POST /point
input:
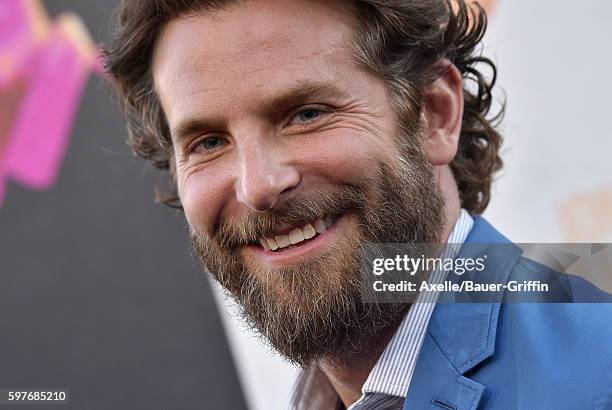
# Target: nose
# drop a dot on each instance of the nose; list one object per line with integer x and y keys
{"x": 265, "y": 176}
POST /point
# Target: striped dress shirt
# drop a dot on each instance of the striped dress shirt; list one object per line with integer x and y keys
{"x": 389, "y": 379}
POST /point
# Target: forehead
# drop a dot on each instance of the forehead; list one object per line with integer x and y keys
{"x": 250, "y": 51}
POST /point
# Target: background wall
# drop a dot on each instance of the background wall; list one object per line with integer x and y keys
{"x": 553, "y": 58}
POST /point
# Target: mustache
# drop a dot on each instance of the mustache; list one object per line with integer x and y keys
{"x": 248, "y": 230}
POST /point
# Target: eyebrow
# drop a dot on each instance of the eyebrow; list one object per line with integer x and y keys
{"x": 301, "y": 93}
{"x": 185, "y": 129}
{"x": 291, "y": 97}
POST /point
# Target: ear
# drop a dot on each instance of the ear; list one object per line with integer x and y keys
{"x": 443, "y": 114}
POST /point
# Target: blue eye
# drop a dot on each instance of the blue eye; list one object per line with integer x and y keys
{"x": 310, "y": 114}
{"x": 211, "y": 143}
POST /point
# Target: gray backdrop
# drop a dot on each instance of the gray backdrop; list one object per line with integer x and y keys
{"x": 98, "y": 293}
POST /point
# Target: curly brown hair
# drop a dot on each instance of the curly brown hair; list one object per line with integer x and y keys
{"x": 402, "y": 41}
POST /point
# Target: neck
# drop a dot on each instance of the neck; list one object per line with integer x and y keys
{"x": 452, "y": 203}
{"x": 348, "y": 374}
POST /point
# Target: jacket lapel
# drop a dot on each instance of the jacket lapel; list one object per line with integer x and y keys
{"x": 461, "y": 335}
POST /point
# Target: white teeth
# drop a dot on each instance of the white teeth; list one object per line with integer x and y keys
{"x": 272, "y": 243}
{"x": 320, "y": 226}
{"x": 296, "y": 236}
{"x": 264, "y": 244}
{"x": 282, "y": 241}
{"x": 328, "y": 222}
{"x": 308, "y": 231}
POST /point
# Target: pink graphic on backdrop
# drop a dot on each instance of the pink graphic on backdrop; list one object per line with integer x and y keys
{"x": 44, "y": 67}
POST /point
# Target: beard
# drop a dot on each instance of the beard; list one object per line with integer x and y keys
{"x": 314, "y": 310}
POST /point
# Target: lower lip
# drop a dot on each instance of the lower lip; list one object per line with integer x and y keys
{"x": 307, "y": 249}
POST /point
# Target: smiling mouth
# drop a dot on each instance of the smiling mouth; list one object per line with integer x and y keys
{"x": 297, "y": 236}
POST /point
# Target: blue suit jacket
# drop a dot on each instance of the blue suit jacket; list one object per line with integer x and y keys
{"x": 515, "y": 355}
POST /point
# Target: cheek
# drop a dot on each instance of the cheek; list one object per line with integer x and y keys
{"x": 348, "y": 156}
{"x": 202, "y": 197}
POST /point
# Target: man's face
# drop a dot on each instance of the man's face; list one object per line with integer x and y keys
{"x": 287, "y": 159}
